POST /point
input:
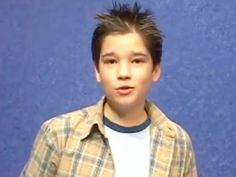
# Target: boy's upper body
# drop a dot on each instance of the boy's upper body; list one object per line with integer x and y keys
{"x": 123, "y": 134}
{"x": 76, "y": 144}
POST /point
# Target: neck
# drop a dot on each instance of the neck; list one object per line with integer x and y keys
{"x": 130, "y": 116}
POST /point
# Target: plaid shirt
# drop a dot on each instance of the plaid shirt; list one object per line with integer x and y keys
{"x": 75, "y": 145}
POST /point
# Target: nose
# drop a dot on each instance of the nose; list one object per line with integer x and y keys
{"x": 123, "y": 72}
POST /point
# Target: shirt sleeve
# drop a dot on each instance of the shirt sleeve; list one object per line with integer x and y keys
{"x": 44, "y": 156}
{"x": 190, "y": 165}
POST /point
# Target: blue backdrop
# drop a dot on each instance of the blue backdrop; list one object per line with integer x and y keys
{"x": 46, "y": 69}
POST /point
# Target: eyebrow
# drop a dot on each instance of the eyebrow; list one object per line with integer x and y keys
{"x": 133, "y": 53}
{"x": 108, "y": 54}
{"x": 139, "y": 54}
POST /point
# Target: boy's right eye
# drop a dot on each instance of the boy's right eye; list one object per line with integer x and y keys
{"x": 109, "y": 61}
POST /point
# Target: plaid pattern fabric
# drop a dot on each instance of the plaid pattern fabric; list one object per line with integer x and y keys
{"x": 75, "y": 145}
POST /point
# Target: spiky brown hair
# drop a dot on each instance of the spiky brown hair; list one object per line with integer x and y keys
{"x": 123, "y": 18}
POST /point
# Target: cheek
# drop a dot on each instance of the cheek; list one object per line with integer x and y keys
{"x": 144, "y": 82}
{"x": 144, "y": 77}
{"x": 106, "y": 80}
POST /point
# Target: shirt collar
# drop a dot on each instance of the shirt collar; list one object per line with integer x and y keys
{"x": 160, "y": 120}
{"x": 94, "y": 120}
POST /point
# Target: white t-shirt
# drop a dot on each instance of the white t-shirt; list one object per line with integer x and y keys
{"x": 130, "y": 148}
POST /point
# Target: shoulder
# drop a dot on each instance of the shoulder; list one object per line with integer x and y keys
{"x": 69, "y": 121}
{"x": 180, "y": 134}
{"x": 180, "y": 137}
{"x": 59, "y": 129}
{"x": 168, "y": 127}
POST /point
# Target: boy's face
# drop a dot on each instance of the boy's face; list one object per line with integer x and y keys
{"x": 125, "y": 69}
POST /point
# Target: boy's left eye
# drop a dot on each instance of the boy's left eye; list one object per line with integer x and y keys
{"x": 137, "y": 61}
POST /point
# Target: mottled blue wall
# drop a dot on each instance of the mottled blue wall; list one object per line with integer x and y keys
{"x": 46, "y": 69}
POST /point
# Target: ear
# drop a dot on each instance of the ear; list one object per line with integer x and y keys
{"x": 97, "y": 74}
{"x": 156, "y": 73}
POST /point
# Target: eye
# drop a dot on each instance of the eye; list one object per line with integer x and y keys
{"x": 138, "y": 60}
{"x": 110, "y": 61}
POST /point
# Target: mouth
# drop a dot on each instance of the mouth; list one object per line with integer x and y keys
{"x": 125, "y": 90}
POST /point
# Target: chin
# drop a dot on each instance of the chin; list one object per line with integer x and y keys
{"x": 127, "y": 102}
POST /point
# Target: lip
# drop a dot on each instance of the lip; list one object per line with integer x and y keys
{"x": 125, "y": 90}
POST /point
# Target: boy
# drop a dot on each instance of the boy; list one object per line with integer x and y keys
{"x": 123, "y": 135}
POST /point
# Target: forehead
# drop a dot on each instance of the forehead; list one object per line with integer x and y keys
{"x": 123, "y": 43}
